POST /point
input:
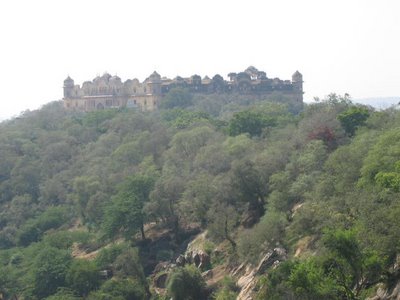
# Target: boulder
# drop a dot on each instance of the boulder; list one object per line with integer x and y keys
{"x": 160, "y": 280}
{"x": 180, "y": 261}
{"x": 271, "y": 259}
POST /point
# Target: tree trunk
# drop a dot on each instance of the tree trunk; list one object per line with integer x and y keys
{"x": 142, "y": 232}
{"x": 227, "y": 235}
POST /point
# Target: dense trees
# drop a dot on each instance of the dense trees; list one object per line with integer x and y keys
{"x": 124, "y": 214}
{"x": 322, "y": 184}
{"x": 49, "y": 271}
{"x": 177, "y": 97}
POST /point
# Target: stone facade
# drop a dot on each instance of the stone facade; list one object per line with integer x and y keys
{"x": 110, "y": 92}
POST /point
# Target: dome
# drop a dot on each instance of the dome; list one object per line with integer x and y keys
{"x": 297, "y": 76}
{"x": 68, "y": 81}
{"x": 155, "y": 76}
{"x": 106, "y": 76}
{"x": 251, "y": 70}
{"x": 115, "y": 79}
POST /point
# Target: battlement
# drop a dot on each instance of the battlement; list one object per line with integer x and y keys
{"x": 109, "y": 91}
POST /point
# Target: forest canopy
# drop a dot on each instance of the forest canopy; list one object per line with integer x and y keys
{"x": 320, "y": 181}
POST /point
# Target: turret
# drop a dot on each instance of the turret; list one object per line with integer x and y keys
{"x": 154, "y": 82}
{"x": 297, "y": 82}
{"x": 68, "y": 87}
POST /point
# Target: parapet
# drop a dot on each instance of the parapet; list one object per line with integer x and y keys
{"x": 111, "y": 91}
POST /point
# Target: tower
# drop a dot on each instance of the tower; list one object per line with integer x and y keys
{"x": 154, "y": 83}
{"x": 297, "y": 82}
{"x": 68, "y": 87}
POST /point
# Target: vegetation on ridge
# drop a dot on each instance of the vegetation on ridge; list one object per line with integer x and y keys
{"x": 85, "y": 198}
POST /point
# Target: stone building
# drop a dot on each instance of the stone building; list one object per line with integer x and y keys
{"x": 110, "y": 92}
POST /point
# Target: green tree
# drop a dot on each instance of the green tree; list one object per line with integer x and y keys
{"x": 125, "y": 213}
{"x": 83, "y": 276}
{"x": 83, "y": 188}
{"x": 49, "y": 270}
{"x": 63, "y": 294}
{"x": 270, "y": 231}
{"x": 227, "y": 291}
{"x": 186, "y": 284}
{"x": 222, "y": 219}
{"x": 353, "y": 118}
{"x": 246, "y": 181}
{"x": 251, "y": 122}
{"x": 177, "y": 97}
{"x": 33, "y": 230}
{"x": 127, "y": 264}
{"x": 123, "y": 289}
{"x": 309, "y": 281}
{"x": 123, "y": 216}
{"x": 351, "y": 267}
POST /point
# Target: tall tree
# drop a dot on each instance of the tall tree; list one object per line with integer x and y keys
{"x": 125, "y": 213}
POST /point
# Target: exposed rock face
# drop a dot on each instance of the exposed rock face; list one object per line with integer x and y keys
{"x": 180, "y": 261}
{"x": 207, "y": 274}
{"x": 270, "y": 259}
{"x": 160, "y": 280}
{"x": 248, "y": 281}
{"x": 384, "y": 293}
{"x": 197, "y": 257}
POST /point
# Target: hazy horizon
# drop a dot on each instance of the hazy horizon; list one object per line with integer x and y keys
{"x": 338, "y": 46}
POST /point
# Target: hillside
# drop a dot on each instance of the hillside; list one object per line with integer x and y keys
{"x": 211, "y": 197}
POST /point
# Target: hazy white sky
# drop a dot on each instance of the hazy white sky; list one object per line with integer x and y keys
{"x": 342, "y": 46}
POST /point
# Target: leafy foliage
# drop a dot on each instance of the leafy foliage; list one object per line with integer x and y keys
{"x": 186, "y": 283}
{"x": 49, "y": 271}
{"x": 353, "y": 118}
{"x": 83, "y": 276}
{"x": 249, "y": 122}
{"x": 177, "y": 97}
{"x": 255, "y": 174}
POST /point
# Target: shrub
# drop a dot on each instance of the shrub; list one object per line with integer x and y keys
{"x": 186, "y": 284}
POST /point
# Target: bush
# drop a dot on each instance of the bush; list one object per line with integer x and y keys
{"x": 107, "y": 256}
{"x": 63, "y": 294}
{"x": 186, "y": 284}
{"x": 177, "y": 97}
{"x": 83, "y": 276}
{"x": 128, "y": 289}
{"x": 33, "y": 230}
{"x": 269, "y": 231}
{"x": 228, "y": 290}
{"x": 49, "y": 270}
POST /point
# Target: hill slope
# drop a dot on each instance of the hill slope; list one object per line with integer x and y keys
{"x": 289, "y": 205}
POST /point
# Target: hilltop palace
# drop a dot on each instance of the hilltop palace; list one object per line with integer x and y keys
{"x": 110, "y": 92}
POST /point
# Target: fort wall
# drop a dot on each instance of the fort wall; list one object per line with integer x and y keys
{"x": 110, "y": 92}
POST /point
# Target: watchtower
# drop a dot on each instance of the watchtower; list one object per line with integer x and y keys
{"x": 297, "y": 80}
{"x": 68, "y": 87}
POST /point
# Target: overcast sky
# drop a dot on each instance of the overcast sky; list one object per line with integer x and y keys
{"x": 342, "y": 46}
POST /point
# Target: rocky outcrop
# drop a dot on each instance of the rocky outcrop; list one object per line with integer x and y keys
{"x": 271, "y": 259}
{"x": 160, "y": 280}
{"x": 198, "y": 257}
{"x": 393, "y": 293}
{"x": 383, "y": 293}
{"x": 248, "y": 281}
